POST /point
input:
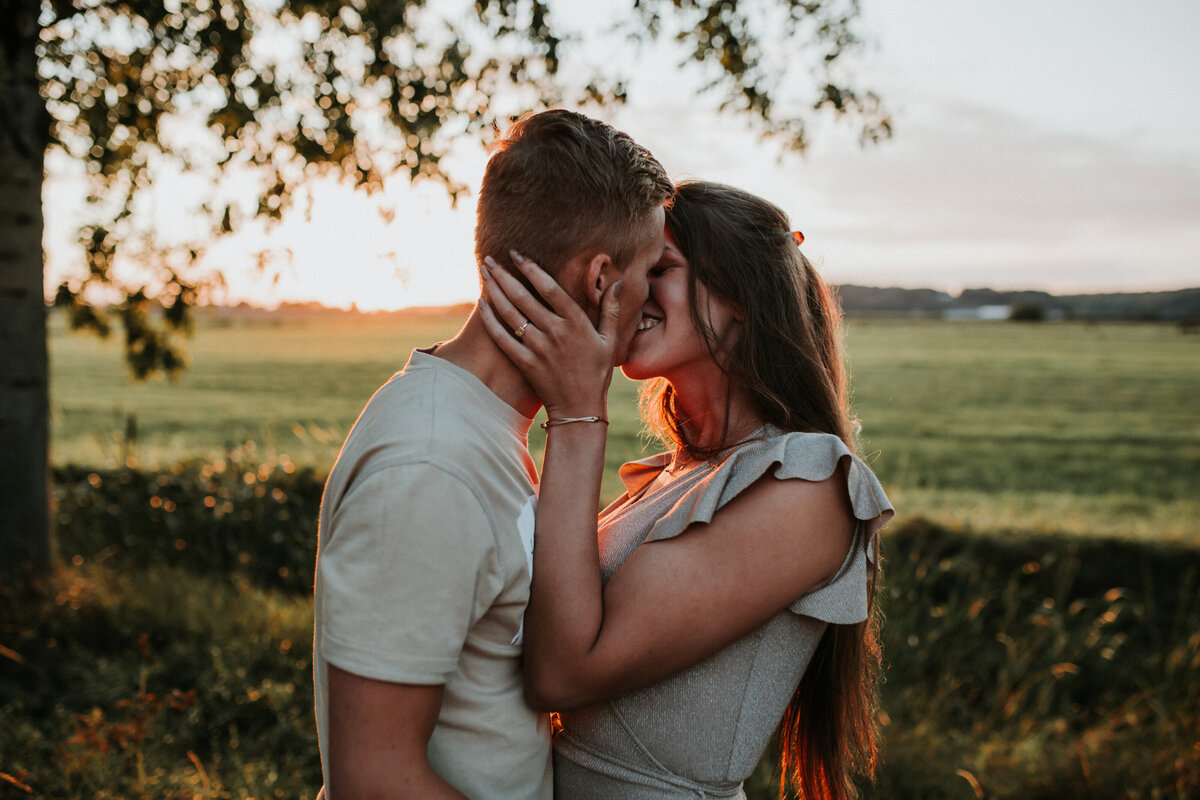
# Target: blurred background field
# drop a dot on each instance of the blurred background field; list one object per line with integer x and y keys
{"x": 1042, "y": 589}
{"x": 1076, "y": 428}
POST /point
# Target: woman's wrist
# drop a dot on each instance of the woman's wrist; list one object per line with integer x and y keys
{"x": 578, "y": 409}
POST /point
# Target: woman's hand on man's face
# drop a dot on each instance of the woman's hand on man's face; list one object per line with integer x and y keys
{"x": 566, "y": 359}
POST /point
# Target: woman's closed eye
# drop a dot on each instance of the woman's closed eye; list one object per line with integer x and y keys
{"x": 658, "y": 270}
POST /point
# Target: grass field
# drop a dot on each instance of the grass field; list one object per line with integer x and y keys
{"x": 1083, "y": 429}
{"x": 1042, "y": 585}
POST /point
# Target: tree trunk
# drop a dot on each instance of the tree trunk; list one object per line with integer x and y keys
{"x": 24, "y": 397}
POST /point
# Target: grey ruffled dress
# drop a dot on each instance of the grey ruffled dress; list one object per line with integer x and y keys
{"x": 699, "y": 733}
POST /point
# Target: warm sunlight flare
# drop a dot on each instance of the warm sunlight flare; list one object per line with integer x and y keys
{"x": 984, "y": 184}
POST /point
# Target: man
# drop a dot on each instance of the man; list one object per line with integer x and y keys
{"x": 426, "y": 532}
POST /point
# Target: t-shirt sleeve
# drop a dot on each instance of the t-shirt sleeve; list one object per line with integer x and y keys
{"x": 409, "y": 566}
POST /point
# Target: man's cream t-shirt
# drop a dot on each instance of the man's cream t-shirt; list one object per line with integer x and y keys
{"x": 423, "y": 568}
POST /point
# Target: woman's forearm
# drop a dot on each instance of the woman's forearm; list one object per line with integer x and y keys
{"x": 566, "y": 608}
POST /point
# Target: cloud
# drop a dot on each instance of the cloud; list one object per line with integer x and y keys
{"x": 991, "y": 175}
{"x": 964, "y": 196}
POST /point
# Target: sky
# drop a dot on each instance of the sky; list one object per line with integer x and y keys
{"x": 1040, "y": 144}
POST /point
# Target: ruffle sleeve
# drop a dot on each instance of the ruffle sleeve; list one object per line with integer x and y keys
{"x": 808, "y": 456}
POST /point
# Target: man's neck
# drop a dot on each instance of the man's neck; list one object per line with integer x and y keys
{"x": 472, "y": 349}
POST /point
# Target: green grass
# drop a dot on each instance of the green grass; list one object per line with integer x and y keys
{"x": 287, "y": 385}
{"x": 1071, "y": 428}
{"x": 1086, "y": 429}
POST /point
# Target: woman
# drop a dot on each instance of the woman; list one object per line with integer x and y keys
{"x": 733, "y": 584}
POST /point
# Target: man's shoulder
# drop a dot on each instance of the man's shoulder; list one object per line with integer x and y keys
{"x": 421, "y": 405}
{"x": 423, "y": 415}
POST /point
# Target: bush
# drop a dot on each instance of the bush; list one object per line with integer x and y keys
{"x": 1027, "y": 312}
{"x": 225, "y": 516}
{"x": 150, "y": 683}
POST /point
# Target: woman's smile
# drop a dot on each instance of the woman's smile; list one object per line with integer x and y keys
{"x": 648, "y": 321}
{"x": 680, "y": 351}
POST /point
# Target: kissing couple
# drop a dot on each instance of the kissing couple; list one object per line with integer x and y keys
{"x": 461, "y": 596}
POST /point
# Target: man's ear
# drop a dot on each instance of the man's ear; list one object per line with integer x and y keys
{"x": 586, "y": 276}
{"x": 600, "y": 274}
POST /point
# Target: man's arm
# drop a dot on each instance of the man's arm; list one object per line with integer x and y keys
{"x": 378, "y": 738}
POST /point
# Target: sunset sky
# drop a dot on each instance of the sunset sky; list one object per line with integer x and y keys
{"x": 1049, "y": 145}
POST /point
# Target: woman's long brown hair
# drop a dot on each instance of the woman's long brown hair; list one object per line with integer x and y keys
{"x": 789, "y": 359}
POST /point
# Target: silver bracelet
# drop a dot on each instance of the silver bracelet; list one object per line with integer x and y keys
{"x": 550, "y": 423}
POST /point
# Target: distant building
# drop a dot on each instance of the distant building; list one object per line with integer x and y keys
{"x": 987, "y": 313}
